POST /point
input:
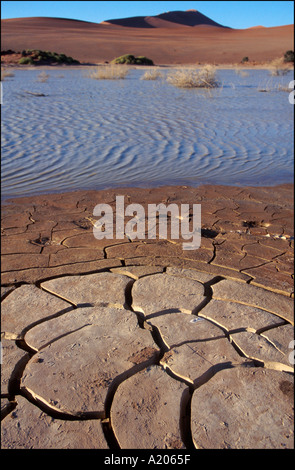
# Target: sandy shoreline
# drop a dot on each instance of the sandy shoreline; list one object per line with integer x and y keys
{"x": 145, "y": 188}
{"x": 238, "y": 65}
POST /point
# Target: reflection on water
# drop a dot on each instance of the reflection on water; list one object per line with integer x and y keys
{"x": 95, "y": 134}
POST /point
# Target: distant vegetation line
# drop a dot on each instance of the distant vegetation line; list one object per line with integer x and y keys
{"x": 39, "y": 57}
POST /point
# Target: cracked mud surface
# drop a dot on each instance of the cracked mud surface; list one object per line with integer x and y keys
{"x": 112, "y": 344}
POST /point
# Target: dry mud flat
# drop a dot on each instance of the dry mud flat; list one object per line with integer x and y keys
{"x": 112, "y": 344}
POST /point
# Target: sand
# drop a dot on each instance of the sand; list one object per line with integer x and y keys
{"x": 176, "y": 44}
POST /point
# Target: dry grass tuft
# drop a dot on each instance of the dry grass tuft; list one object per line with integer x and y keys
{"x": 190, "y": 78}
{"x": 5, "y": 73}
{"x": 277, "y": 67}
{"x": 153, "y": 74}
{"x": 241, "y": 73}
{"x": 42, "y": 77}
{"x": 109, "y": 72}
{"x": 284, "y": 88}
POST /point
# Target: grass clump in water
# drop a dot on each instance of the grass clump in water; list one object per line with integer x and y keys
{"x": 5, "y": 73}
{"x": 42, "y": 77}
{"x": 109, "y": 72}
{"x": 277, "y": 68}
{"x": 241, "y": 73}
{"x": 191, "y": 78}
{"x": 153, "y": 74}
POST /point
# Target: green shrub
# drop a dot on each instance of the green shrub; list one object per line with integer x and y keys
{"x": 142, "y": 60}
{"x": 289, "y": 56}
{"x": 132, "y": 60}
{"x": 25, "y": 61}
{"x": 70, "y": 60}
{"x": 245, "y": 59}
{"x": 124, "y": 59}
{"x": 35, "y": 56}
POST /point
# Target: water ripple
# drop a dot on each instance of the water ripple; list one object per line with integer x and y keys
{"x": 93, "y": 134}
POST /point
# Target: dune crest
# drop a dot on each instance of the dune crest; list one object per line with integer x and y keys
{"x": 166, "y": 20}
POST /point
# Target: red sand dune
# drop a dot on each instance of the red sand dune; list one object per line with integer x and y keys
{"x": 169, "y": 19}
{"x": 170, "y": 38}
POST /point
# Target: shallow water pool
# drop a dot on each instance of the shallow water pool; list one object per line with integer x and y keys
{"x": 96, "y": 134}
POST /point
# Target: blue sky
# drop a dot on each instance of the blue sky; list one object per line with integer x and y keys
{"x": 236, "y": 14}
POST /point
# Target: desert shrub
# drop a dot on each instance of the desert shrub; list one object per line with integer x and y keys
{"x": 35, "y": 56}
{"x": 55, "y": 57}
{"x": 191, "y": 78}
{"x": 142, "y": 60}
{"x": 70, "y": 60}
{"x": 25, "y": 61}
{"x": 153, "y": 74}
{"x": 289, "y": 56}
{"x": 245, "y": 59}
{"x": 130, "y": 59}
{"x": 124, "y": 59}
{"x": 9, "y": 51}
{"x": 277, "y": 67}
{"x": 109, "y": 72}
